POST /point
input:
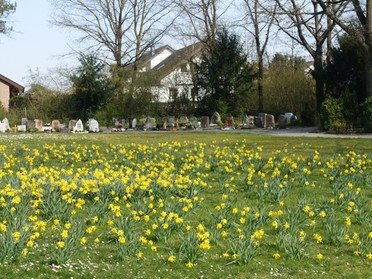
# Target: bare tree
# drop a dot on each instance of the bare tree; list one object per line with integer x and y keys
{"x": 362, "y": 10}
{"x": 124, "y": 29}
{"x": 259, "y": 23}
{"x": 311, "y": 31}
{"x": 201, "y": 19}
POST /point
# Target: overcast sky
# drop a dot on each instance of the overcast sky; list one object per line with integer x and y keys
{"x": 35, "y": 44}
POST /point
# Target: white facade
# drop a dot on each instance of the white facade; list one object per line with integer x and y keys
{"x": 173, "y": 71}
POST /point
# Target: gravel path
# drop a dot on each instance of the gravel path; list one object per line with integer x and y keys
{"x": 304, "y": 132}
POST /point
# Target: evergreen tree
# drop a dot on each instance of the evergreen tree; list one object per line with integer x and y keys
{"x": 224, "y": 77}
{"x": 91, "y": 86}
{"x": 346, "y": 72}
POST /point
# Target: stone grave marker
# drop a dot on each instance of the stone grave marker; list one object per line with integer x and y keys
{"x": 229, "y": 122}
{"x": 257, "y": 121}
{"x": 205, "y": 122}
{"x": 6, "y": 124}
{"x": 172, "y": 121}
{"x": 282, "y": 121}
{"x": 216, "y": 118}
{"x": 148, "y": 123}
{"x": 134, "y": 123}
{"x": 30, "y": 125}
{"x": 165, "y": 122}
{"x": 21, "y": 128}
{"x": 263, "y": 119}
{"x": 194, "y": 122}
{"x": 72, "y": 124}
{"x": 39, "y": 125}
{"x": 79, "y": 127}
{"x": 93, "y": 125}
{"x": 184, "y": 120}
{"x": 270, "y": 121}
{"x": 56, "y": 126}
{"x": 245, "y": 120}
{"x": 24, "y": 121}
{"x": 250, "y": 120}
{"x": 2, "y": 127}
{"x": 288, "y": 115}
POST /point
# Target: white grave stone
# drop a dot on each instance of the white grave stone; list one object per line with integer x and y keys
{"x": 134, "y": 123}
{"x": 21, "y": 128}
{"x": 288, "y": 115}
{"x": 93, "y": 125}
{"x": 2, "y": 127}
{"x": 79, "y": 127}
{"x": 263, "y": 119}
{"x": 6, "y": 124}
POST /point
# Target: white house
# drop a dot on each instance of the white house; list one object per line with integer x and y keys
{"x": 168, "y": 72}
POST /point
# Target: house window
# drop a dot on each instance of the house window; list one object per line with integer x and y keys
{"x": 184, "y": 68}
{"x": 173, "y": 92}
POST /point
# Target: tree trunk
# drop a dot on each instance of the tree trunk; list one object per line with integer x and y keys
{"x": 319, "y": 79}
{"x": 368, "y": 54}
{"x": 260, "y": 86}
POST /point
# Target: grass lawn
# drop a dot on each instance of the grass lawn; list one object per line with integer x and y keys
{"x": 184, "y": 205}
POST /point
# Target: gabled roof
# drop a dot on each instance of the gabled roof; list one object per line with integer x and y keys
{"x": 12, "y": 84}
{"x": 172, "y": 62}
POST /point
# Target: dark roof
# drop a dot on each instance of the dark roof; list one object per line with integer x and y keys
{"x": 176, "y": 59}
{"x": 14, "y": 87}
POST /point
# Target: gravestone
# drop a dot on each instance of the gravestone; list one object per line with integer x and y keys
{"x": 172, "y": 121}
{"x": 30, "y": 125}
{"x": 72, "y": 124}
{"x": 93, "y": 125}
{"x": 282, "y": 121}
{"x": 118, "y": 123}
{"x": 148, "y": 123}
{"x": 257, "y": 121}
{"x": 194, "y": 122}
{"x": 21, "y": 128}
{"x": 205, "y": 122}
{"x": 288, "y": 115}
{"x": 251, "y": 120}
{"x": 79, "y": 127}
{"x": 6, "y": 124}
{"x": 263, "y": 119}
{"x": 2, "y": 127}
{"x": 134, "y": 123}
{"x": 229, "y": 122}
{"x": 270, "y": 121}
{"x": 216, "y": 118}
{"x": 184, "y": 120}
{"x": 165, "y": 122}
{"x": 39, "y": 125}
{"x": 245, "y": 120}
{"x": 56, "y": 126}
{"x": 24, "y": 121}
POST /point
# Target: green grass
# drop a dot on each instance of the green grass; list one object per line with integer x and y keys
{"x": 117, "y": 165}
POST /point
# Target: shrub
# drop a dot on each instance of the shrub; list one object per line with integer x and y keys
{"x": 331, "y": 113}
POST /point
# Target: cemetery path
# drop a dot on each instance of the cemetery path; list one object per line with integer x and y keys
{"x": 305, "y": 132}
{"x": 288, "y": 132}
